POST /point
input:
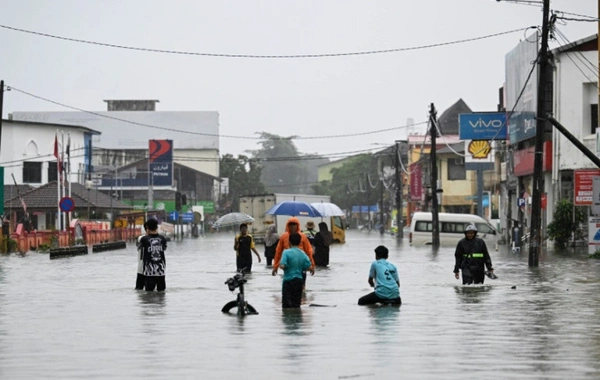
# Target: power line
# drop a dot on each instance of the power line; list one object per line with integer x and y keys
{"x": 258, "y": 56}
{"x": 206, "y": 134}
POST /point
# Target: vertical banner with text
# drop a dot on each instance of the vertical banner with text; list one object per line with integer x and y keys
{"x": 160, "y": 162}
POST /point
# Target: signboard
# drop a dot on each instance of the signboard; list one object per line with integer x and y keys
{"x": 160, "y": 162}
{"x": 120, "y": 223}
{"x": 174, "y": 215}
{"x": 523, "y": 160}
{"x": 482, "y": 126}
{"x": 66, "y": 204}
{"x": 584, "y": 191}
{"x": 416, "y": 182}
{"x": 187, "y": 217}
{"x": 593, "y": 234}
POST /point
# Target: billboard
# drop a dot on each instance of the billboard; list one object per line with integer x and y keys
{"x": 521, "y": 98}
{"x": 584, "y": 186}
{"x": 482, "y": 126}
{"x": 160, "y": 162}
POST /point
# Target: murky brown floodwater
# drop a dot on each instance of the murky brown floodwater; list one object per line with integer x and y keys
{"x": 80, "y": 318}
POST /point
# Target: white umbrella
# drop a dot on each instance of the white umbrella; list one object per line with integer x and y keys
{"x": 328, "y": 209}
{"x": 232, "y": 219}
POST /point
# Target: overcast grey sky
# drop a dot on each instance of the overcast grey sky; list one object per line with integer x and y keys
{"x": 341, "y": 95}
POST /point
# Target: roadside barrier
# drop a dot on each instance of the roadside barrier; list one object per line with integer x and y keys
{"x": 109, "y": 246}
{"x": 77, "y": 250}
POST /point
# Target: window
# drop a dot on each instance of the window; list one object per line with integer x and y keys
{"x": 32, "y": 172}
{"x": 456, "y": 169}
{"x": 52, "y": 175}
{"x": 424, "y": 226}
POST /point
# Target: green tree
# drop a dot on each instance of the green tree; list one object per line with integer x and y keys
{"x": 352, "y": 183}
{"x": 284, "y": 170}
{"x": 244, "y": 178}
{"x": 564, "y": 225}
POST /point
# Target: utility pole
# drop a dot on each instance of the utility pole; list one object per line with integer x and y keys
{"x": 400, "y": 227}
{"x": 535, "y": 243}
{"x": 381, "y": 225}
{"x": 435, "y": 231}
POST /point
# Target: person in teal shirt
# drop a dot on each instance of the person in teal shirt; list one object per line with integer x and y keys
{"x": 383, "y": 276}
{"x": 293, "y": 262}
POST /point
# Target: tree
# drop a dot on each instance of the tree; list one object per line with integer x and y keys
{"x": 283, "y": 169}
{"x": 564, "y": 225}
{"x": 351, "y": 183}
{"x": 244, "y": 178}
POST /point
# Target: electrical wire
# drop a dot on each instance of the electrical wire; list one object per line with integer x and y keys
{"x": 208, "y": 134}
{"x": 258, "y": 56}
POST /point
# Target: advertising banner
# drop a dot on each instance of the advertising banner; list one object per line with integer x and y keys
{"x": 416, "y": 182}
{"x": 584, "y": 186}
{"x": 482, "y": 126}
{"x": 160, "y": 162}
{"x": 593, "y": 234}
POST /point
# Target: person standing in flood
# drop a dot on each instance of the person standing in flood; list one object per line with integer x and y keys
{"x": 323, "y": 240}
{"x": 471, "y": 256}
{"x": 271, "y": 240}
{"x": 153, "y": 246}
{"x": 244, "y": 246}
{"x": 294, "y": 264}
{"x": 140, "y": 281}
{"x": 293, "y": 226}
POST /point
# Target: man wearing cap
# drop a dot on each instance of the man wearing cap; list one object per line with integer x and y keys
{"x": 471, "y": 256}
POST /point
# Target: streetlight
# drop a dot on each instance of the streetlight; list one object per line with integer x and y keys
{"x": 88, "y": 186}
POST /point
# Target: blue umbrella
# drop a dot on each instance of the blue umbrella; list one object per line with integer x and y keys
{"x": 293, "y": 208}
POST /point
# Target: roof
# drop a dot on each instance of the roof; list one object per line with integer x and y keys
{"x": 448, "y": 120}
{"x": 144, "y": 164}
{"x": 53, "y": 125}
{"x": 46, "y": 197}
{"x": 589, "y": 43}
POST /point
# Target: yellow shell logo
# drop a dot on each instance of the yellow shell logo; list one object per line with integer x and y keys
{"x": 480, "y": 148}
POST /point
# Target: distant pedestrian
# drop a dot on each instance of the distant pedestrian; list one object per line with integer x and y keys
{"x": 310, "y": 233}
{"x": 293, "y": 262}
{"x": 141, "y": 279}
{"x": 153, "y": 246}
{"x": 244, "y": 246}
{"x": 323, "y": 240}
{"x": 383, "y": 276}
{"x": 271, "y": 240}
{"x": 471, "y": 256}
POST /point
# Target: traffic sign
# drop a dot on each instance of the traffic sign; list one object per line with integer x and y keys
{"x": 174, "y": 215}
{"x": 188, "y": 217}
{"x": 66, "y": 204}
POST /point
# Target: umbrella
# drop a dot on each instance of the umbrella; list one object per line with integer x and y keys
{"x": 232, "y": 219}
{"x": 328, "y": 209}
{"x": 293, "y": 208}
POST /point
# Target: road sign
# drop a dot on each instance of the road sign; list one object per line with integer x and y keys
{"x": 174, "y": 215}
{"x": 66, "y": 204}
{"x": 188, "y": 217}
{"x": 120, "y": 223}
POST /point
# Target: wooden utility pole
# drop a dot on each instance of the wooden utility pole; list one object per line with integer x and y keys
{"x": 435, "y": 231}
{"x": 535, "y": 239}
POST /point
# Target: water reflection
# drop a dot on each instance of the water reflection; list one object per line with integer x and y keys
{"x": 293, "y": 322}
{"x": 472, "y": 294}
{"x": 152, "y": 303}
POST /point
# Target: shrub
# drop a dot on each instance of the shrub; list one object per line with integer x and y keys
{"x": 563, "y": 225}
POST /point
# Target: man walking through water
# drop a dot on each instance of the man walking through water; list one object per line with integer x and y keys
{"x": 471, "y": 256}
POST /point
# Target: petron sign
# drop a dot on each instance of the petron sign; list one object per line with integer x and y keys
{"x": 160, "y": 162}
{"x": 482, "y": 126}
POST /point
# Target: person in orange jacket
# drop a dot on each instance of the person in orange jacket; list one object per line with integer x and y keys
{"x": 293, "y": 226}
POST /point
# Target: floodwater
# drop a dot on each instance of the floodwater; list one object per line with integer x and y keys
{"x": 80, "y": 317}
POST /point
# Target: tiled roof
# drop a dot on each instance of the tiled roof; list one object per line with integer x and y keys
{"x": 46, "y": 197}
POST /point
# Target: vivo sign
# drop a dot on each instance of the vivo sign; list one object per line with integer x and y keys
{"x": 482, "y": 126}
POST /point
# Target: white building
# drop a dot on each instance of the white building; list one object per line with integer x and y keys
{"x": 27, "y": 151}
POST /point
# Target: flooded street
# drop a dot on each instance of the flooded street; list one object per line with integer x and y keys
{"x": 80, "y": 317}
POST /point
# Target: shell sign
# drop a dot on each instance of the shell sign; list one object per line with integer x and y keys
{"x": 478, "y": 151}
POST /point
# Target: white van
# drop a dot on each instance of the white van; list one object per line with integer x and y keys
{"x": 452, "y": 227}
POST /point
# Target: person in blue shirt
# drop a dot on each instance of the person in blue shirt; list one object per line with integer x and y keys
{"x": 293, "y": 262}
{"x": 383, "y": 276}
